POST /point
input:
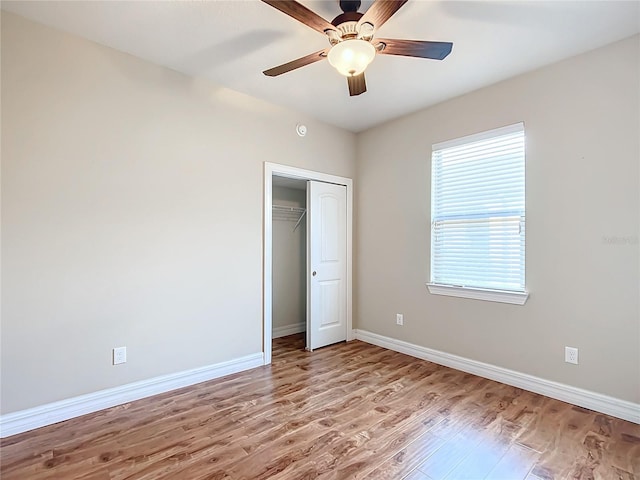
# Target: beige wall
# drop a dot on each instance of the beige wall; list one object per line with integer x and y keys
{"x": 289, "y": 262}
{"x": 131, "y": 214}
{"x": 582, "y": 130}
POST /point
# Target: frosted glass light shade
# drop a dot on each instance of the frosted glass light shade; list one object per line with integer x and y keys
{"x": 351, "y": 57}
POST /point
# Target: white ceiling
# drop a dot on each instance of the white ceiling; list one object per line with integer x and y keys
{"x": 232, "y": 42}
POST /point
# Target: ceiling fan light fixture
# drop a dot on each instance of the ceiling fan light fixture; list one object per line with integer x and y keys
{"x": 352, "y": 56}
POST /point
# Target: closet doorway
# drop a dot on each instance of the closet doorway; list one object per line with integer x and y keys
{"x": 289, "y": 256}
{"x": 307, "y": 256}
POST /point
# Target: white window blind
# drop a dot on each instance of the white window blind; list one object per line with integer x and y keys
{"x": 478, "y": 211}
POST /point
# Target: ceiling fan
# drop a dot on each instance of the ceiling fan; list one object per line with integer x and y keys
{"x": 352, "y": 46}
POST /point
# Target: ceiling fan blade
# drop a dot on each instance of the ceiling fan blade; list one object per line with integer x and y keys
{"x": 301, "y": 13}
{"x": 414, "y": 48}
{"x": 381, "y": 11}
{"x": 299, "y": 62}
{"x": 357, "y": 85}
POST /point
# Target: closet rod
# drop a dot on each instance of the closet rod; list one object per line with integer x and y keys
{"x": 286, "y": 208}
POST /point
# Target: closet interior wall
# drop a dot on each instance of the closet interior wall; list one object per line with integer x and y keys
{"x": 289, "y": 263}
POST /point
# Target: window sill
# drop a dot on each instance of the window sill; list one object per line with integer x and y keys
{"x": 502, "y": 296}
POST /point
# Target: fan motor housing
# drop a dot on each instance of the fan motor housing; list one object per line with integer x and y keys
{"x": 346, "y": 17}
{"x": 349, "y": 5}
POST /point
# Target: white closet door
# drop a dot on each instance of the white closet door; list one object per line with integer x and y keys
{"x": 327, "y": 264}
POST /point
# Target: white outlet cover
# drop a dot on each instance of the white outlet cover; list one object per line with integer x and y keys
{"x": 119, "y": 355}
{"x": 571, "y": 355}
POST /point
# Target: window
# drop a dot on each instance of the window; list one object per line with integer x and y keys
{"x": 478, "y": 216}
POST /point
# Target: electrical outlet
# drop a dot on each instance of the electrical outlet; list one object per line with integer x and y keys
{"x": 119, "y": 355}
{"x": 399, "y": 319}
{"x": 571, "y": 355}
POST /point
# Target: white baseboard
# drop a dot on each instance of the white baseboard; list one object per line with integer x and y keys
{"x": 289, "y": 329}
{"x": 24, "y": 420}
{"x": 584, "y": 398}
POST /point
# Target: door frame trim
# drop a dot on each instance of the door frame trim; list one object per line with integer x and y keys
{"x": 276, "y": 169}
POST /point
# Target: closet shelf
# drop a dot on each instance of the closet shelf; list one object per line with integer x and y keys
{"x": 290, "y": 214}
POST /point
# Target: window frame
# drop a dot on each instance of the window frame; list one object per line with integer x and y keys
{"x": 477, "y": 293}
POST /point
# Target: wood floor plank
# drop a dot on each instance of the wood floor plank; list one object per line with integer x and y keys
{"x": 377, "y": 444}
{"x": 417, "y": 475}
{"x": 348, "y": 411}
{"x": 451, "y": 453}
{"x": 515, "y": 464}
{"x": 381, "y": 442}
{"x": 531, "y": 476}
{"x": 407, "y": 459}
{"x": 486, "y": 455}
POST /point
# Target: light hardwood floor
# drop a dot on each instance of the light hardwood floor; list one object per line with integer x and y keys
{"x": 346, "y": 411}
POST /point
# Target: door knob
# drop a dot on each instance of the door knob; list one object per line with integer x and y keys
{"x": 314, "y": 273}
